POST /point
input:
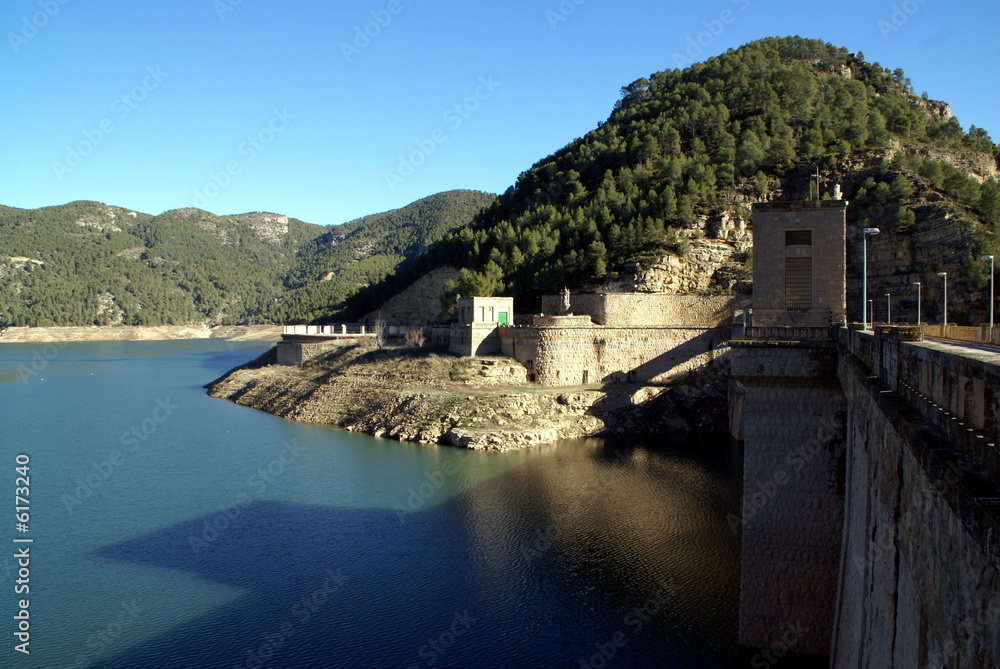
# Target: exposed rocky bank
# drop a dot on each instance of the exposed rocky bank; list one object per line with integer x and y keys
{"x": 140, "y": 333}
{"x": 477, "y": 403}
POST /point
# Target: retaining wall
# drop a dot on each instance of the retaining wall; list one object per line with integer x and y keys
{"x": 566, "y": 356}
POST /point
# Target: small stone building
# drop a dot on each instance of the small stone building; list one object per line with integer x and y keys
{"x": 477, "y": 310}
{"x": 478, "y": 320}
{"x": 799, "y": 263}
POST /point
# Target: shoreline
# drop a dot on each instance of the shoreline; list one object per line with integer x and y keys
{"x": 475, "y": 403}
{"x": 29, "y": 335}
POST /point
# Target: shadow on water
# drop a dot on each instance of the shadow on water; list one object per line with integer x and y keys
{"x": 323, "y": 587}
{"x": 331, "y": 587}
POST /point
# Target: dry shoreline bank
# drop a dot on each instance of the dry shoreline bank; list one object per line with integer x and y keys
{"x": 20, "y": 335}
{"x": 476, "y": 403}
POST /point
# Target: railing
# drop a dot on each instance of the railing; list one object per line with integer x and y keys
{"x": 788, "y": 333}
{"x": 982, "y": 334}
{"x": 956, "y": 394}
{"x": 341, "y": 329}
{"x": 358, "y": 329}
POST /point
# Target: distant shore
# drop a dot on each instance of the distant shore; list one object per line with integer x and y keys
{"x": 141, "y": 333}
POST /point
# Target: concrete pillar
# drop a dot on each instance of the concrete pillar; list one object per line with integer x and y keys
{"x": 794, "y": 416}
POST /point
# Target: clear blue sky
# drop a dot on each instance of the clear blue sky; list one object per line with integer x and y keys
{"x": 162, "y": 95}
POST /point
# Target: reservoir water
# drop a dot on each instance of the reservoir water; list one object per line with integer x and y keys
{"x": 174, "y": 530}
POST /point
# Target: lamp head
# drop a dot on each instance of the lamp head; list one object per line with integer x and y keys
{"x": 916, "y": 283}
{"x": 871, "y": 231}
{"x": 944, "y": 274}
{"x": 986, "y": 257}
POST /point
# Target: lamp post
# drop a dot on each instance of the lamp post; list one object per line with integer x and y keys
{"x": 917, "y": 284}
{"x": 944, "y": 323}
{"x": 888, "y": 309}
{"x": 990, "y": 258}
{"x": 864, "y": 274}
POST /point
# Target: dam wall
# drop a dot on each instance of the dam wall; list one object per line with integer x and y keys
{"x": 920, "y": 560}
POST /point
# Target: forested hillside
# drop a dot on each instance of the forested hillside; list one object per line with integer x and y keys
{"x": 86, "y": 263}
{"x": 683, "y": 145}
{"x": 363, "y": 252}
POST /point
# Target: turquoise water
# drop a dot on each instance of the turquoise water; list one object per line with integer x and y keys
{"x": 171, "y": 529}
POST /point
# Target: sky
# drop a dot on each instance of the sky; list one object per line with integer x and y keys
{"x": 331, "y": 111}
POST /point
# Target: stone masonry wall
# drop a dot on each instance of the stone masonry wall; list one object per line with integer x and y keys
{"x": 920, "y": 570}
{"x": 650, "y": 309}
{"x": 792, "y": 514}
{"x": 826, "y": 223}
{"x": 566, "y": 356}
{"x": 300, "y": 352}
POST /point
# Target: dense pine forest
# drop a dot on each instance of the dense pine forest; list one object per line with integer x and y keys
{"x": 86, "y": 263}
{"x": 752, "y": 123}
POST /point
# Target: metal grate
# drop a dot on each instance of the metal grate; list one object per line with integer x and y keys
{"x": 798, "y": 283}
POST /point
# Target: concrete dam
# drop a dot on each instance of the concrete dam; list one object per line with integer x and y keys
{"x": 871, "y": 509}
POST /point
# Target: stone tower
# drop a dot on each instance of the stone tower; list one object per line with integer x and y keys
{"x": 799, "y": 263}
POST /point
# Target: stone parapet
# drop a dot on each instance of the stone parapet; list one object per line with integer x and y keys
{"x": 649, "y": 309}
{"x": 567, "y": 356}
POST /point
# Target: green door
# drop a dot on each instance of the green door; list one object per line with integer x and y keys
{"x": 502, "y": 317}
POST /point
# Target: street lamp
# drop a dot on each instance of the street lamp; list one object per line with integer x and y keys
{"x": 990, "y": 258}
{"x": 888, "y": 309}
{"x": 944, "y": 323}
{"x": 864, "y": 274}
{"x": 917, "y": 284}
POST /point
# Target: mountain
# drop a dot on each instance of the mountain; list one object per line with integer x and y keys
{"x": 87, "y": 263}
{"x": 658, "y": 195}
{"x": 364, "y": 251}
